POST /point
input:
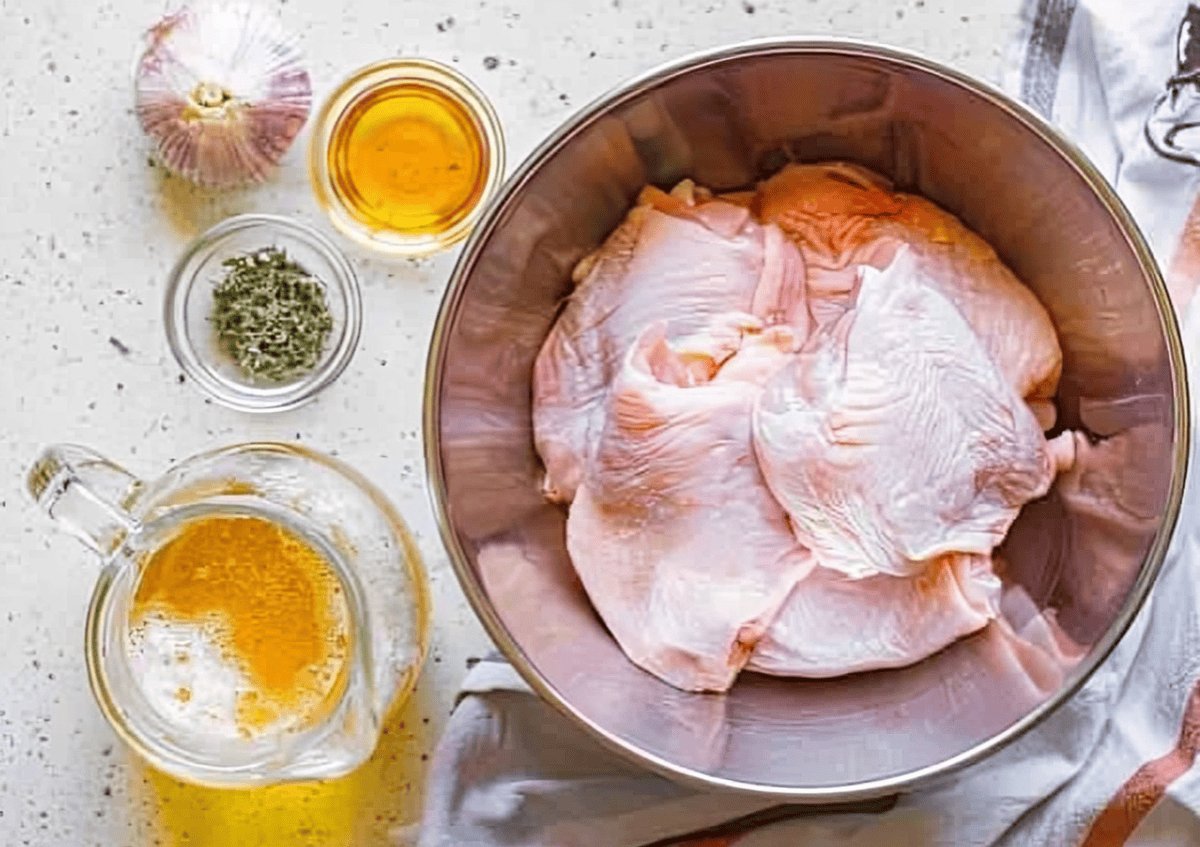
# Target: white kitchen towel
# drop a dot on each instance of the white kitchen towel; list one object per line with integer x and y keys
{"x": 1114, "y": 765}
{"x": 1122, "y": 79}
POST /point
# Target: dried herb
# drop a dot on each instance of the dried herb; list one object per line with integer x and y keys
{"x": 270, "y": 315}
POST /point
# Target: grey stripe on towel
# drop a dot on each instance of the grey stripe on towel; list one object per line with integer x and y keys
{"x": 1047, "y": 41}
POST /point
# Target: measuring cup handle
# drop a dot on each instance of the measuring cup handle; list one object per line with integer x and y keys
{"x": 86, "y": 493}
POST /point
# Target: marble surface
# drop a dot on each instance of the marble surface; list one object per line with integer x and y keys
{"x": 89, "y": 226}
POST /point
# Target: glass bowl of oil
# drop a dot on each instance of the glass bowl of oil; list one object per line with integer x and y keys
{"x": 405, "y": 155}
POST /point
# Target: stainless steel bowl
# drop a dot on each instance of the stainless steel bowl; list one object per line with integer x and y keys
{"x": 726, "y": 118}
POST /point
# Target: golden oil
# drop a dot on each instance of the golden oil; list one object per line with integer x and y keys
{"x": 261, "y": 598}
{"x": 409, "y": 158}
{"x": 361, "y": 809}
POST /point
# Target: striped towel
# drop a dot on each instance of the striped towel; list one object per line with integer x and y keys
{"x": 1115, "y": 764}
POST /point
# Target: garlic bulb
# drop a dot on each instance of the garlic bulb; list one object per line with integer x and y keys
{"x": 223, "y": 92}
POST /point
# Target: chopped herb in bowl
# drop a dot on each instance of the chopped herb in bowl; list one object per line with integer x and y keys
{"x": 270, "y": 315}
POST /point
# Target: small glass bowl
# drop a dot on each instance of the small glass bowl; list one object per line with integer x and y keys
{"x": 374, "y": 80}
{"x": 189, "y": 303}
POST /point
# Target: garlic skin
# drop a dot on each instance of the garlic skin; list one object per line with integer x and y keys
{"x": 223, "y": 92}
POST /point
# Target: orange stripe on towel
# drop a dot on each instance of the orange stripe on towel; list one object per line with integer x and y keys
{"x": 1142, "y": 791}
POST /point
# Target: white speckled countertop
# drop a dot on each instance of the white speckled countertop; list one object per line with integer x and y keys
{"x": 88, "y": 230}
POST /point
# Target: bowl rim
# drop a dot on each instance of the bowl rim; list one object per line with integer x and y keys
{"x": 641, "y": 84}
{"x": 288, "y": 395}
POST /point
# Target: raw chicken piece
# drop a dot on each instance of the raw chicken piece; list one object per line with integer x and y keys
{"x": 681, "y": 548}
{"x": 679, "y": 258}
{"x": 527, "y": 573}
{"x": 833, "y": 625}
{"x": 843, "y": 215}
{"x": 893, "y": 439}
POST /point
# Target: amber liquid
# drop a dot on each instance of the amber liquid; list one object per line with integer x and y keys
{"x": 357, "y": 810}
{"x": 408, "y": 158}
{"x": 242, "y": 598}
{"x": 283, "y": 610}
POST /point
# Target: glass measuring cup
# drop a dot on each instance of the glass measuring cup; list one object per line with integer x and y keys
{"x": 375, "y": 579}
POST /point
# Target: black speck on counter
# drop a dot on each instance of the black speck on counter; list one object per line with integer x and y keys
{"x": 119, "y": 345}
{"x": 491, "y": 63}
{"x": 180, "y": 379}
{"x": 120, "y": 386}
{"x": 442, "y": 26}
{"x": 748, "y": 8}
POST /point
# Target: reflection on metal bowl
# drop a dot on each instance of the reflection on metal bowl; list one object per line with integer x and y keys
{"x": 1084, "y": 557}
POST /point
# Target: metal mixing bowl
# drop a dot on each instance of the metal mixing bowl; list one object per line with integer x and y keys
{"x": 727, "y": 118}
